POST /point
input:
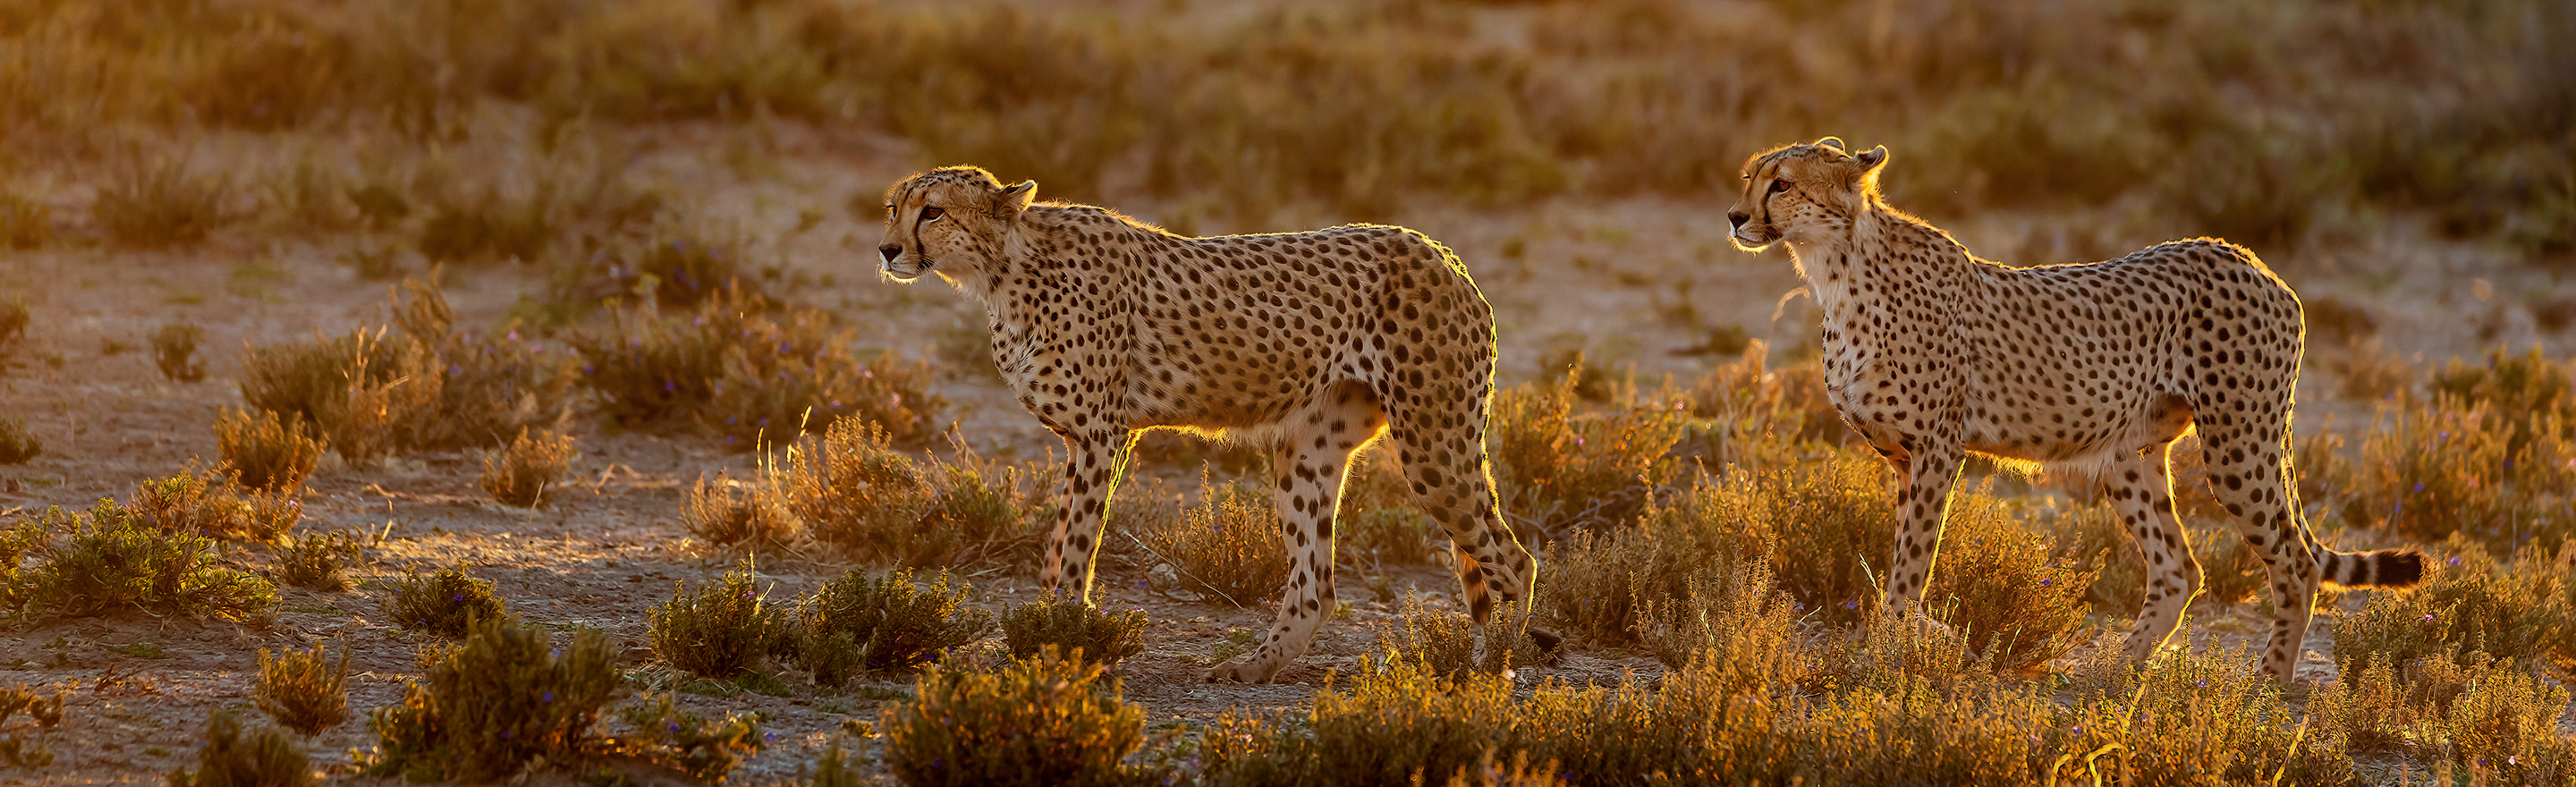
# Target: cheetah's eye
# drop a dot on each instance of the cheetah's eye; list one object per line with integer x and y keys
{"x": 932, "y": 213}
{"x": 1779, "y": 185}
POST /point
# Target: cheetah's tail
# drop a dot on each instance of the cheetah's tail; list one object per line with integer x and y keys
{"x": 2386, "y": 568}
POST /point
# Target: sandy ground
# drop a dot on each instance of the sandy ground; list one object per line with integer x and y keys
{"x": 1630, "y": 281}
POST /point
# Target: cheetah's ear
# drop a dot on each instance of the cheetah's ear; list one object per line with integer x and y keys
{"x": 1017, "y": 198}
{"x": 1873, "y": 158}
{"x": 1831, "y": 142}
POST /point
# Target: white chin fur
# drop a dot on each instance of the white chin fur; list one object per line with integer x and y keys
{"x": 901, "y": 275}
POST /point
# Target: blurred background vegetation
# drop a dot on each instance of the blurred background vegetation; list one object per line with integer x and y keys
{"x": 2261, "y": 122}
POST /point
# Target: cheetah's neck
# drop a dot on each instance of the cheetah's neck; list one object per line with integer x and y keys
{"x": 1883, "y": 254}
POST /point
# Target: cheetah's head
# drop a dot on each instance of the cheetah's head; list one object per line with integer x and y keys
{"x": 953, "y": 221}
{"x": 1805, "y": 193}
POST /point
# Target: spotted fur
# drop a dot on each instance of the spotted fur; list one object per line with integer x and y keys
{"x": 1316, "y": 343}
{"x": 1931, "y": 352}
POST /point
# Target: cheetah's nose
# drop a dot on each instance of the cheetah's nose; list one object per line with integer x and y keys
{"x": 892, "y": 251}
{"x": 1737, "y": 217}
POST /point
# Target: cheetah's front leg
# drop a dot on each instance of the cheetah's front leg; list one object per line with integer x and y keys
{"x": 1930, "y": 469}
{"x": 1091, "y": 473}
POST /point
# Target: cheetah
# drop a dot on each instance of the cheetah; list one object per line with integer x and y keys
{"x": 2098, "y": 367}
{"x": 1314, "y": 343}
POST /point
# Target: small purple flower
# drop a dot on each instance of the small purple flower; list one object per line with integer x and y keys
{"x": 549, "y": 697}
{"x": 2045, "y": 582}
{"x": 2455, "y": 560}
{"x": 2428, "y": 617}
{"x": 1852, "y": 604}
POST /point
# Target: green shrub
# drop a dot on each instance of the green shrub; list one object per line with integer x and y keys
{"x": 726, "y": 628}
{"x": 1039, "y": 721}
{"x": 857, "y": 623}
{"x": 1226, "y": 548}
{"x": 232, "y": 757}
{"x": 17, "y": 445}
{"x": 757, "y": 373}
{"x": 161, "y": 205}
{"x": 1072, "y": 627}
{"x": 319, "y": 562}
{"x": 752, "y": 515}
{"x": 112, "y": 559}
{"x": 1566, "y": 470}
{"x": 490, "y": 706}
{"x": 265, "y": 450}
{"x": 520, "y": 474}
{"x": 304, "y": 690}
{"x": 704, "y": 750}
{"x": 444, "y": 604}
{"x": 174, "y": 350}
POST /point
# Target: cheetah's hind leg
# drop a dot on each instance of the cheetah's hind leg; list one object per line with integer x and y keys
{"x": 1306, "y": 469}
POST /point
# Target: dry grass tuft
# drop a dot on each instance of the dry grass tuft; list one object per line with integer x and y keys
{"x": 304, "y": 690}
{"x": 161, "y": 205}
{"x": 1563, "y": 469}
{"x": 174, "y": 350}
{"x": 520, "y": 474}
{"x": 1224, "y": 549}
{"x": 855, "y": 493}
{"x": 750, "y": 515}
{"x": 17, "y": 445}
{"x": 265, "y": 450}
{"x": 757, "y": 373}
